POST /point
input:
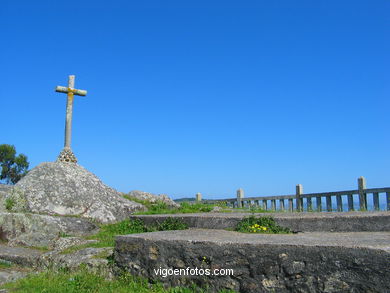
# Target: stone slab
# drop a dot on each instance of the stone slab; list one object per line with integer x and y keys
{"x": 39, "y": 230}
{"x": 303, "y": 262}
{"x": 20, "y": 255}
{"x": 306, "y": 222}
{"x": 10, "y": 276}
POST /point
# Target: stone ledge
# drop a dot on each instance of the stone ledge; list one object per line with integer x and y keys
{"x": 38, "y": 230}
{"x": 306, "y": 222}
{"x": 307, "y": 262}
{"x": 20, "y": 255}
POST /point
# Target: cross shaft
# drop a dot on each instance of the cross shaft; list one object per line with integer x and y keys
{"x": 66, "y": 154}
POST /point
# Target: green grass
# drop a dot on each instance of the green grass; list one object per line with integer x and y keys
{"x": 265, "y": 225}
{"x": 185, "y": 208}
{"x": 5, "y": 264}
{"x": 63, "y": 234}
{"x": 83, "y": 281}
{"x": 9, "y": 203}
{"x": 107, "y": 232}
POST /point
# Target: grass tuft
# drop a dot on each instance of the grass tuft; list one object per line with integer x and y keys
{"x": 266, "y": 225}
{"x": 9, "y": 203}
{"x": 185, "y": 208}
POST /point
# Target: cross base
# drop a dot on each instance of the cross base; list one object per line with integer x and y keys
{"x": 67, "y": 156}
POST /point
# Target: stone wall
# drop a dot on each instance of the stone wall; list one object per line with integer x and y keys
{"x": 262, "y": 263}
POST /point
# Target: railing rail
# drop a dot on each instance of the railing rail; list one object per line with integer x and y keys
{"x": 345, "y": 200}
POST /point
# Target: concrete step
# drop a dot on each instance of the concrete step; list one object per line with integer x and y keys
{"x": 305, "y": 222}
{"x": 303, "y": 262}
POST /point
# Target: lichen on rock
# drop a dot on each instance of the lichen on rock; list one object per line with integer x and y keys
{"x": 67, "y": 189}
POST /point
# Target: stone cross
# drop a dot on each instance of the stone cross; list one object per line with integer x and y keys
{"x": 66, "y": 154}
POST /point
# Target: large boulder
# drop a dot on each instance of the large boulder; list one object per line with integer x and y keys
{"x": 67, "y": 189}
{"x": 153, "y": 198}
{"x": 39, "y": 230}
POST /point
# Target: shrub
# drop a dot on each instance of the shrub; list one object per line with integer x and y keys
{"x": 172, "y": 224}
{"x": 252, "y": 224}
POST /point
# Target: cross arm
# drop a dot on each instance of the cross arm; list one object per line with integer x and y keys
{"x": 63, "y": 89}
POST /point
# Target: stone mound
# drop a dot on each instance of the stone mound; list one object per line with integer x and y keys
{"x": 153, "y": 198}
{"x": 67, "y": 189}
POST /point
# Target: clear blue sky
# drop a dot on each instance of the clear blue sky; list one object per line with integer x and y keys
{"x": 203, "y": 96}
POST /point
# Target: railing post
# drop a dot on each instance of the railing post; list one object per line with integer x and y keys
{"x": 240, "y": 196}
{"x": 298, "y": 193}
{"x": 319, "y": 203}
{"x": 362, "y": 195}
{"x": 198, "y": 197}
{"x": 350, "y": 202}
{"x": 265, "y": 206}
{"x": 329, "y": 202}
{"x": 281, "y": 204}
{"x": 388, "y": 200}
{"x": 339, "y": 201}
{"x": 273, "y": 205}
{"x": 290, "y": 205}
{"x": 375, "y": 197}
{"x": 309, "y": 204}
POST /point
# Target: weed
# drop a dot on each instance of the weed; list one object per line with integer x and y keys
{"x": 9, "y": 203}
{"x": 185, "y": 208}
{"x": 252, "y": 224}
{"x": 172, "y": 224}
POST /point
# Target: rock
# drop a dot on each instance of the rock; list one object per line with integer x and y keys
{"x": 62, "y": 243}
{"x": 20, "y": 255}
{"x": 5, "y": 187}
{"x": 153, "y": 198}
{"x": 61, "y": 188}
{"x": 10, "y": 276}
{"x": 216, "y": 209}
{"x": 39, "y": 230}
{"x": 93, "y": 258}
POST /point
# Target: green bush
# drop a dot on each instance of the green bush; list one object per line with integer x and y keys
{"x": 172, "y": 224}
{"x": 268, "y": 225}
